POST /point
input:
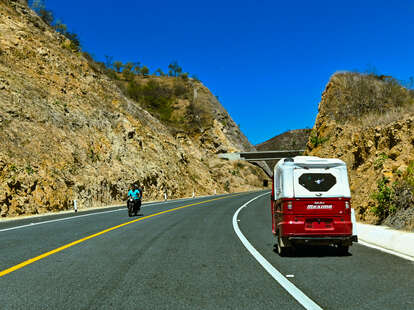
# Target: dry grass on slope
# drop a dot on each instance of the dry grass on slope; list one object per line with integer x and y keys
{"x": 388, "y": 117}
{"x": 367, "y": 99}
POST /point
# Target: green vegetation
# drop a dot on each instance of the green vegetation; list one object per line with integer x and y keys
{"x": 383, "y": 197}
{"x": 159, "y": 72}
{"x": 235, "y": 172}
{"x": 227, "y": 186}
{"x": 40, "y": 8}
{"x": 155, "y": 96}
{"x": 184, "y": 76}
{"x": 47, "y": 16}
{"x": 145, "y": 71}
{"x": 118, "y": 66}
{"x": 409, "y": 175}
{"x": 127, "y": 72}
{"x": 180, "y": 89}
{"x": 317, "y": 140}
{"x": 397, "y": 196}
{"x": 94, "y": 157}
{"x": 379, "y": 161}
{"x": 175, "y": 69}
{"x": 29, "y": 169}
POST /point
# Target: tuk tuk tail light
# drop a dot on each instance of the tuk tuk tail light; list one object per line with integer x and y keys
{"x": 289, "y": 205}
{"x": 346, "y": 204}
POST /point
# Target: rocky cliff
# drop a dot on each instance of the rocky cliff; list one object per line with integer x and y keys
{"x": 68, "y": 131}
{"x": 368, "y": 121}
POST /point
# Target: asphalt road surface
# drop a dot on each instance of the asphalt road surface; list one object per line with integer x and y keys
{"x": 186, "y": 255}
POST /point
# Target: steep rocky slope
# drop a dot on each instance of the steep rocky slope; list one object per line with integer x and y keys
{"x": 67, "y": 131}
{"x": 368, "y": 121}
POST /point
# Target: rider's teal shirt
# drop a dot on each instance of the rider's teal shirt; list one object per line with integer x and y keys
{"x": 134, "y": 194}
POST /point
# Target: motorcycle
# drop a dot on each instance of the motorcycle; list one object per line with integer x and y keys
{"x": 133, "y": 205}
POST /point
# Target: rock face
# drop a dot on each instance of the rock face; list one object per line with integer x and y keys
{"x": 290, "y": 140}
{"x": 68, "y": 132}
{"x": 377, "y": 144}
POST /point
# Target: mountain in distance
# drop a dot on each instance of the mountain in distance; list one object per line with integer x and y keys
{"x": 290, "y": 140}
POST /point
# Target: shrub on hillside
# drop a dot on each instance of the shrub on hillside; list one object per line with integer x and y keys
{"x": 180, "y": 89}
{"x": 317, "y": 140}
{"x": 383, "y": 197}
{"x": 409, "y": 175}
{"x": 174, "y": 69}
{"x": 118, "y": 65}
{"x": 96, "y": 66}
{"x": 74, "y": 40}
{"x": 159, "y": 72}
{"x": 184, "y": 76}
{"x": 127, "y": 71}
{"x": 145, "y": 71}
{"x": 45, "y": 15}
{"x": 154, "y": 96}
{"x": 395, "y": 197}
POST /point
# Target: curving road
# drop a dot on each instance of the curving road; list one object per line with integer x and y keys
{"x": 186, "y": 255}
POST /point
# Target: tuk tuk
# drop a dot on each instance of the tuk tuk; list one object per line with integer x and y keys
{"x": 311, "y": 204}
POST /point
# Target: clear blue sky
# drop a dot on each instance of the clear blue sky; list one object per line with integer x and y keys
{"x": 267, "y": 60}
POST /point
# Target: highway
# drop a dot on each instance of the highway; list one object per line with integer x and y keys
{"x": 187, "y": 254}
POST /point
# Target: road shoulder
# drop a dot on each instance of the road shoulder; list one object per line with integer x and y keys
{"x": 392, "y": 241}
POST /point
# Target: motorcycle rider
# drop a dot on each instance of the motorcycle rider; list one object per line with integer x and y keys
{"x": 136, "y": 194}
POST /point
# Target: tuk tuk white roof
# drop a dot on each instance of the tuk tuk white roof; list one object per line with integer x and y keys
{"x": 285, "y": 180}
{"x": 312, "y": 162}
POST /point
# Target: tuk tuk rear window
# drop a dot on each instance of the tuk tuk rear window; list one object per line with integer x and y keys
{"x": 317, "y": 182}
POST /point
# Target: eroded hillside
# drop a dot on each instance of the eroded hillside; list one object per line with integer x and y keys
{"x": 68, "y": 131}
{"x": 290, "y": 140}
{"x": 368, "y": 121}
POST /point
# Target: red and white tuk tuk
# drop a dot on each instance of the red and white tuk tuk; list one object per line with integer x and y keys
{"x": 311, "y": 204}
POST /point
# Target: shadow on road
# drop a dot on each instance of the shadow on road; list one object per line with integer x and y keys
{"x": 316, "y": 251}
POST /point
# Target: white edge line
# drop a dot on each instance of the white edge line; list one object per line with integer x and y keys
{"x": 296, "y": 293}
{"x": 376, "y": 247}
{"x": 58, "y": 220}
{"x": 89, "y": 214}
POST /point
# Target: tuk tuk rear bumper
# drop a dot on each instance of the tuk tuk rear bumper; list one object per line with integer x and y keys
{"x": 321, "y": 240}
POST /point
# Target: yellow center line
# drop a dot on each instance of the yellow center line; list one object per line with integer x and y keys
{"x": 63, "y": 247}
